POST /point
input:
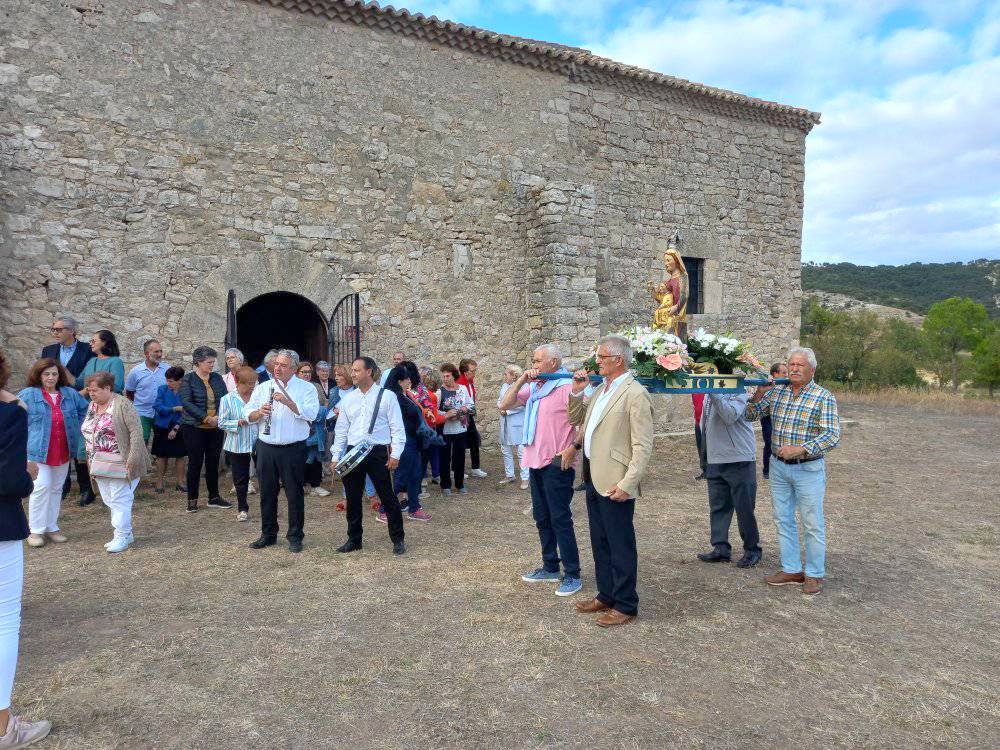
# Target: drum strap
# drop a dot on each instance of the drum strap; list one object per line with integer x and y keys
{"x": 378, "y": 401}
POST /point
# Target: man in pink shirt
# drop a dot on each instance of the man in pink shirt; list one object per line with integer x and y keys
{"x": 547, "y": 435}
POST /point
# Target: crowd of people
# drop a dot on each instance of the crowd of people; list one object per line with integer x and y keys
{"x": 390, "y": 435}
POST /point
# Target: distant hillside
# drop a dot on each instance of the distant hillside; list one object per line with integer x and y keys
{"x": 915, "y": 286}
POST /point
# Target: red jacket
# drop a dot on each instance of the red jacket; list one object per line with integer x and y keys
{"x": 697, "y": 399}
{"x": 467, "y": 382}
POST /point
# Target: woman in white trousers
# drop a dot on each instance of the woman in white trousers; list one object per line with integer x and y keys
{"x": 511, "y": 431}
{"x": 117, "y": 454}
{"x": 16, "y": 474}
{"x": 55, "y": 411}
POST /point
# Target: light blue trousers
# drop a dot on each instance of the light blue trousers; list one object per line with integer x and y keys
{"x": 800, "y": 487}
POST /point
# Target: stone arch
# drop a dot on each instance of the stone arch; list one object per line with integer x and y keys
{"x": 204, "y": 318}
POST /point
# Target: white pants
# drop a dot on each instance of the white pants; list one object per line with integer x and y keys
{"x": 508, "y": 460}
{"x": 46, "y": 498}
{"x": 118, "y": 495}
{"x": 11, "y": 584}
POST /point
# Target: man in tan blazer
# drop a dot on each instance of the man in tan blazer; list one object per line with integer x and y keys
{"x": 616, "y": 437}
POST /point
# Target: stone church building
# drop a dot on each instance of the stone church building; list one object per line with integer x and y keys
{"x": 478, "y": 193}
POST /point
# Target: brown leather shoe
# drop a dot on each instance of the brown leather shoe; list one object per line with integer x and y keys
{"x": 812, "y": 585}
{"x": 592, "y": 606}
{"x": 613, "y": 617}
{"x": 784, "y": 579}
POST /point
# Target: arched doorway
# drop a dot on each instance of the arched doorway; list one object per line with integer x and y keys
{"x": 281, "y": 320}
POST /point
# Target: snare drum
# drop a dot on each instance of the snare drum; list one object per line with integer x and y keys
{"x": 353, "y": 458}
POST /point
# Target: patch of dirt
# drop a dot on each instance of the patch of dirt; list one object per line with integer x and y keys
{"x": 192, "y": 640}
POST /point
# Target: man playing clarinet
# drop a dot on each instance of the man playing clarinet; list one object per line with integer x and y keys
{"x": 285, "y": 406}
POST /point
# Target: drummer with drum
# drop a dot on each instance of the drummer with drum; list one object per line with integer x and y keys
{"x": 287, "y": 405}
{"x": 370, "y": 426}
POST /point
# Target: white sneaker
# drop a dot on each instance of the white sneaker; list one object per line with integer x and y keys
{"x": 319, "y": 492}
{"x": 22, "y": 733}
{"x": 251, "y": 489}
{"x": 117, "y": 545}
{"x": 477, "y": 473}
{"x": 131, "y": 540}
{"x": 505, "y": 480}
{"x": 242, "y": 516}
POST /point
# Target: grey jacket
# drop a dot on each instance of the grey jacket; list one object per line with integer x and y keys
{"x": 728, "y": 435}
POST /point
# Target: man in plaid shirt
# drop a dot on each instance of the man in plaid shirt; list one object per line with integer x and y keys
{"x": 806, "y": 427}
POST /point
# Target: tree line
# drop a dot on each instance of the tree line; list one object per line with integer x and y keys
{"x": 957, "y": 343}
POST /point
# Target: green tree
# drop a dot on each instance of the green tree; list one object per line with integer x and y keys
{"x": 954, "y": 325}
{"x": 986, "y": 362}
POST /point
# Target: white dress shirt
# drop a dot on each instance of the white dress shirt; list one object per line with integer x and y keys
{"x": 599, "y": 406}
{"x": 356, "y": 414}
{"x": 286, "y": 426}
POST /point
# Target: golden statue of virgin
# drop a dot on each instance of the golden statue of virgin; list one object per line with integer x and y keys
{"x": 671, "y": 294}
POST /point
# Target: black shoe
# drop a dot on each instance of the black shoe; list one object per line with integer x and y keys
{"x": 700, "y": 476}
{"x": 713, "y": 556}
{"x": 294, "y": 546}
{"x": 349, "y": 546}
{"x": 262, "y": 542}
{"x": 192, "y": 506}
{"x": 765, "y": 474}
{"x": 748, "y": 560}
{"x": 580, "y": 487}
{"x": 398, "y": 548}
{"x": 218, "y": 502}
{"x": 86, "y": 498}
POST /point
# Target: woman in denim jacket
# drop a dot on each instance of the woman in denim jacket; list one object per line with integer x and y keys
{"x": 55, "y": 413}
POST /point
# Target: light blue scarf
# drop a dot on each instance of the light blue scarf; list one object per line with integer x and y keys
{"x": 539, "y": 390}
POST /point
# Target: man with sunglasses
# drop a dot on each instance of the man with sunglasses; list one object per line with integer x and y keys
{"x": 73, "y": 354}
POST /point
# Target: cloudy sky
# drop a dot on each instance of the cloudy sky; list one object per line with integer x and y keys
{"x": 906, "y": 163}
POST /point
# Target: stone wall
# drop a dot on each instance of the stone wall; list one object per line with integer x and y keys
{"x": 154, "y": 154}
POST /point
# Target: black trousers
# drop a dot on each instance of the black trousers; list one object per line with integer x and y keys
{"x": 453, "y": 460}
{"x": 240, "y": 463}
{"x": 473, "y": 441}
{"x": 699, "y": 441}
{"x": 82, "y": 478}
{"x": 733, "y": 487}
{"x": 765, "y": 430}
{"x": 612, "y": 538}
{"x": 313, "y": 474}
{"x": 281, "y": 466}
{"x": 375, "y": 467}
{"x": 203, "y": 447}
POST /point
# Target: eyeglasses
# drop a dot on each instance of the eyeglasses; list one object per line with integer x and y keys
{"x": 606, "y": 356}
{"x": 58, "y": 330}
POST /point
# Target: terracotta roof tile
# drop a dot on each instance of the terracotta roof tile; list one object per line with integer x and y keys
{"x": 577, "y": 63}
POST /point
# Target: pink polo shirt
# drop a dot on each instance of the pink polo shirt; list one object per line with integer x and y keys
{"x": 553, "y": 432}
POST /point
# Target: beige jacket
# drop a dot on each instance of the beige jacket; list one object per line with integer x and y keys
{"x": 623, "y": 438}
{"x": 128, "y": 433}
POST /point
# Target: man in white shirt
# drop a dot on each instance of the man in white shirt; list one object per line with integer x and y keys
{"x": 388, "y": 438}
{"x": 287, "y": 405}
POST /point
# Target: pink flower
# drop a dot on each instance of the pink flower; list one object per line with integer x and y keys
{"x": 670, "y": 361}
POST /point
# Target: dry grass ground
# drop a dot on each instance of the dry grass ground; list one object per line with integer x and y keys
{"x": 191, "y": 640}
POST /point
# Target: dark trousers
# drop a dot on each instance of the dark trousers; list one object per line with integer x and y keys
{"x": 407, "y": 477}
{"x": 473, "y": 441}
{"x": 699, "y": 441}
{"x": 375, "y": 467}
{"x": 281, "y": 466}
{"x": 82, "y": 478}
{"x": 733, "y": 486}
{"x": 241, "y": 477}
{"x": 431, "y": 456}
{"x": 765, "y": 431}
{"x": 453, "y": 461}
{"x": 203, "y": 447}
{"x": 616, "y": 561}
{"x": 313, "y": 474}
{"x": 551, "y": 495}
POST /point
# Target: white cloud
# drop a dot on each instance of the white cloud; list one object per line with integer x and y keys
{"x": 919, "y": 49}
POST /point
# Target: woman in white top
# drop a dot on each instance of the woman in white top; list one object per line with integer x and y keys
{"x": 234, "y": 361}
{"x": 456, "y": 404}
{"x": 512, "y": 430}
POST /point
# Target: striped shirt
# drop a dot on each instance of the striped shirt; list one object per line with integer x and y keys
{"x": 239, "y": 438}
{"x": 809, "y": 421}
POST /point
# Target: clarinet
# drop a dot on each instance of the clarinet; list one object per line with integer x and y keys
{"x": 267, "y": 417}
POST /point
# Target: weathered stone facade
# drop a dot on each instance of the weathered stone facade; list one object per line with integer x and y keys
{"x": 482, "y": 196}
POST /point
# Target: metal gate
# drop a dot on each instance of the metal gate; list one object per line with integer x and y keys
{"x": 345, "y": 330}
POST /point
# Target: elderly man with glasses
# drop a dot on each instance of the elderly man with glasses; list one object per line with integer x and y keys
{"x": 806, "y": 427}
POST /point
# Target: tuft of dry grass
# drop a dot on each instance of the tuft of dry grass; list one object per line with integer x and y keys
{"x": 938, "y": 400}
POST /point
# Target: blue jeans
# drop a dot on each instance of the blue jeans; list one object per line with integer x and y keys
{"x": 551, "y": 495}
{"x": 800, "y": 487}
{"x": 407, "y": 475}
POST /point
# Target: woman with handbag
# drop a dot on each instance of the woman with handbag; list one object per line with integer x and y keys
{"x": 55, "y": 411}
{"x": 117, "y": 453}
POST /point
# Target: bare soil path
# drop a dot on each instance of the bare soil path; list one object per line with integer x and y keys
{"x": 192, "y": 640}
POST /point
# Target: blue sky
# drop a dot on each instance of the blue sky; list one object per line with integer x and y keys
{"x": 906, "y": 163}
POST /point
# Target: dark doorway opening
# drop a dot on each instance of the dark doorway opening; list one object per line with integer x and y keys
{"x": 281, "y": 320}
